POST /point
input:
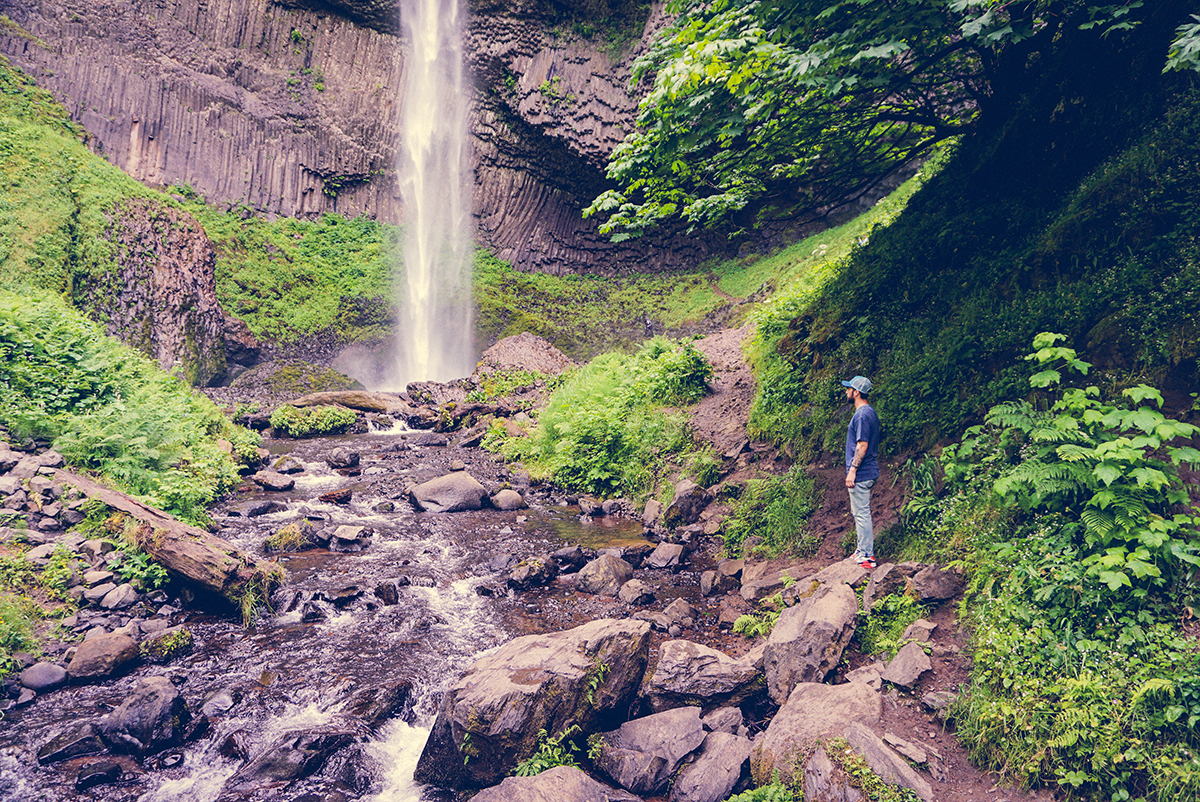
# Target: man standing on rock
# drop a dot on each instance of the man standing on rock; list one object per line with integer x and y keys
{"x": 862, "y": 469}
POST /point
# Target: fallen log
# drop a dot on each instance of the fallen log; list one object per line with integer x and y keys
{"x": 186, "y": 551}
{"x": 362, "y": 400}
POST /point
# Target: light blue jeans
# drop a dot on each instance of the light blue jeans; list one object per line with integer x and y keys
{"x": 860, "y": 508}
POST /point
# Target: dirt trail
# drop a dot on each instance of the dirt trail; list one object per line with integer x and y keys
{"x": 721, "y": 419}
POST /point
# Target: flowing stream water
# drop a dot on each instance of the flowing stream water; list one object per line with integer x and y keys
{"x": 331, "y": 637}
{"x": 434, "y": 341}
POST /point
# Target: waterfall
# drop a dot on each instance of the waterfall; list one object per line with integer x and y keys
{"x": 434, "y": 341}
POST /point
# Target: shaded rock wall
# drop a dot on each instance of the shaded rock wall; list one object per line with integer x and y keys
{"x": 159, "y": 297}
{"x": 292, "y": 109}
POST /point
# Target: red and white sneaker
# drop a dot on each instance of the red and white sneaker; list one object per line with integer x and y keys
{"x": 868, "y": 563}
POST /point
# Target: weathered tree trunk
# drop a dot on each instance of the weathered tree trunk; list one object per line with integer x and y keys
{"x": 188, "y": 552}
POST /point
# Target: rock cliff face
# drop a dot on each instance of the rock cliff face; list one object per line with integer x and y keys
{"x": 293, "y": 109}
{"x": 160, "y": 298}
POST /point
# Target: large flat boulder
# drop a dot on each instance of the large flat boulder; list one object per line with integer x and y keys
{"x": 453, "y": 492}
{"x": 812, "y": 711}
{"x": 560, "y": 784}
{"x": 885, "y": 762}
{"x": 809, "y": 638}
{"x": 489, "y": 719}
{"x": 642, "y": 755}
{"x": 690, "y": 673}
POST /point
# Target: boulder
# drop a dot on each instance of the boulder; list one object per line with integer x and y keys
{"x": 907, "y": 666}
{"x": 75, "y": 741}
{"x": 711, "y": 777}
{"x": 342, "y": 458}
{"x": 724, "y": 719}
{"x": 809, "y": 638}
{"x": 636, "y": 592}
{"x": 489, "y": 719}
{"x": 453, "y": 492}
{"x": 666, "y": 555}
{"x": 560, "y": 784}
{"x": 890, "y": 767}
{"x": 532, "y": 572}
{"x": 758, "y": 583}
{"x": 886, "y": 580}
{"x": 936, "y": 584}
{"x": 604, "y": 575}
{"x": 151, "y": 718}
{"x": 693, "y": 674}
{"x": 508, "y": 500}
{"x": 812, "y": 711}
{"x": 919, "y": 630}
{"x": 287, "y": 464}
{"x": 43, "y": 677}
{"x": 102, "y": 656}
{"x": 270, "y": 480}
{"x": 295, "y": 754}
{"x": 825, "y": 782}
{"x": 652, "y": 513}
{"x": 569, "y": 559}
{"x": 641, "y": 755}
{"x": 119, "y": 598}
{"x": 686, "y": 504}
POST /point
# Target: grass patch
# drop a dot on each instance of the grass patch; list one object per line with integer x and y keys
{"x": 290, "y": 421}
{"x": 776, "y": 511}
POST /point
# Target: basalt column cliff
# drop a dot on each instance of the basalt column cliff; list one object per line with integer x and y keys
{"x": 292, "y": 109}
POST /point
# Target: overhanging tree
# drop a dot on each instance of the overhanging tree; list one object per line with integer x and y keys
{"x": 807, "y": 103}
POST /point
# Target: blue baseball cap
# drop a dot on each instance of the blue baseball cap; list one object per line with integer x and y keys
{"x": 860, "y": 383}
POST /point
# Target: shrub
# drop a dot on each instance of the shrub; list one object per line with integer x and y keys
{"x": 602, "y": 431}
{"x": 289, "y": 421}
{"x": 1078, "y": 575}
{"x": 550, "y": 753}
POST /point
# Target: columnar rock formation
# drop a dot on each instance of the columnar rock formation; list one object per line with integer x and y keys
{"x": 294, "y": 110}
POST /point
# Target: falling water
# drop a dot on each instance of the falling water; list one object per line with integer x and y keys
{"x": 434, "y": 342}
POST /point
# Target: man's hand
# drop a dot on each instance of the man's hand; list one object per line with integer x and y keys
{"x": 850, "y": 476}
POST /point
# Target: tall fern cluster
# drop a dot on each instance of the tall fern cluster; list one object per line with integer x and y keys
{"x": 110, "y": 410}
{"x": 1084, "y": 554}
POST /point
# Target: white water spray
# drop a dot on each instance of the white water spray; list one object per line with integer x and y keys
{"x": 434, "y": 342}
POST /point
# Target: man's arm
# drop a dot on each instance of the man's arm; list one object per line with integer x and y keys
{"x": 860, "y": 452}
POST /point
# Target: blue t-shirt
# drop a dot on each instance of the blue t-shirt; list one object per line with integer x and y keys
{"x": 864, "y": 426}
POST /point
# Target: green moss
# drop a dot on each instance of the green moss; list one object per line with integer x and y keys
{"x": 165, "y": 647}
{"x": 302, "y": 378}
{"x": 289, "y": 538}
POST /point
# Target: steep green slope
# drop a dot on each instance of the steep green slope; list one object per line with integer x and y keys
{"x": 1011, "y": 238}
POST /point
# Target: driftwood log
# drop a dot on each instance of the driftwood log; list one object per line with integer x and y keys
{"x": 186, "y": 551}
{"x": 362, "y": 400}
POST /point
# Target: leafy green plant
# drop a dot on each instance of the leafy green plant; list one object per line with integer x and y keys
{"x": 594, "y": 679}
{"x": 1066, "y": 511}
{"x": 500, "y": 383}
{"x": 289, "y": 421}
{"x": 776, "y": 510}
{"x": 602, "y": 431}
{"x": 551, "y": 752}
{"x": 760, "y": 624}
{"x": 138, "y": 567}
{"x": 880, "y": 630}
{"x": 18, "y": 615}
{"x": 775, "y": 791}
